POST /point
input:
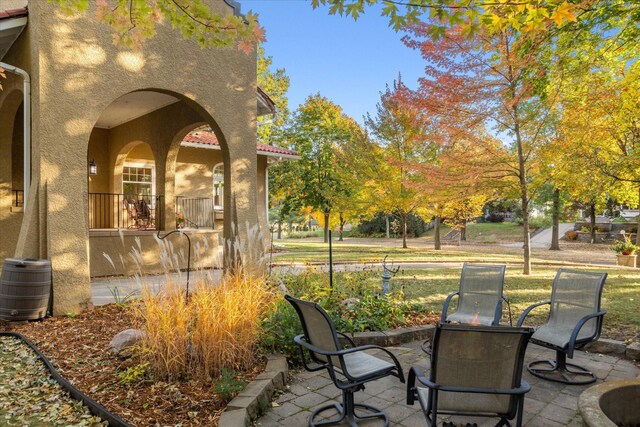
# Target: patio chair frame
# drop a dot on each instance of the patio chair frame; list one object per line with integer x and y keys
{"x": 349, "y": 384}
{"x": 559, "y": 370}
{"x": 429, "y": 403}
{"x": 466, "y": 267}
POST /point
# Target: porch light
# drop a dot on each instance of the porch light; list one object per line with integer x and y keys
{"x": 93, "y": 168}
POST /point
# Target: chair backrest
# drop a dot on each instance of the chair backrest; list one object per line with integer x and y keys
{"x": 489, "y": 357}
{"x": 481, "y": 290}
{"x": 318, "y": 328}
{"x": 574, "y": 295}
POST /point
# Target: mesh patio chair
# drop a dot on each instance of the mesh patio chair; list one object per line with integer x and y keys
{"x": 575, "y": 318}
{"x": 475, "y": 371}
{"x": 480, "y": 295}
{"x": 349, "y": 368}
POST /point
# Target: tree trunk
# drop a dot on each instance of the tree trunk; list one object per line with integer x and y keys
{"x": 279, "y": 230}
{"x": 341, "y": 230}
{"x": 326, "y": 227}
{"x": 387, "y": 221}
{"x": 436, "y": 234}
{"x": 555, "y": 231}
{"x": 524, "y": 196}
{"x": 592, "y": 214}
{"x": 404, "y": 231}
{"x": 526, "y": 246}
{"x": 463, "y": 232}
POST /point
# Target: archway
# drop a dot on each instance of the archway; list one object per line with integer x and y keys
{"x": 135, "y": 147}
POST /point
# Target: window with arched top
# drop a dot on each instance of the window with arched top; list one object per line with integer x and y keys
{"x": 218, "y": 185}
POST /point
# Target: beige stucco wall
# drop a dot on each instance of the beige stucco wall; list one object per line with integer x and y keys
{"x": 118, "y": 245}
{"x": 76, "y": 73}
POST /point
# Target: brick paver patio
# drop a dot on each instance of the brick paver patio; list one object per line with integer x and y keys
{"x": 548, "y": 404}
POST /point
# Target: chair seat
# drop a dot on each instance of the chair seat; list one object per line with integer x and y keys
{"x": 360, "y": 364}
{"x": 470, "y": 319}
{"x": 558, "y": 335}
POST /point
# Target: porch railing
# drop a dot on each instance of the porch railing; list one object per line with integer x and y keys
{"x": 195, "y": 212}
{"x": 17, "y": 200}
{"x": 113, "y": 211}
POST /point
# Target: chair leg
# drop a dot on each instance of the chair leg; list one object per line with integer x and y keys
{"x": 346, "y": 410}
{"x": 558, "y": 371}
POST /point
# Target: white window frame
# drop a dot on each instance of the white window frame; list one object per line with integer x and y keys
{"x": 145, "y": 165}
{"x": 214, "y": 182}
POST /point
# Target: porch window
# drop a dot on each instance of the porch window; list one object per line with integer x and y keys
{"x": 218, "y": 186}
{"x": 139, "y": 181}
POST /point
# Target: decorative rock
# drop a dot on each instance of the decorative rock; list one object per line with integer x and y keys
{"x": 606, "y": 346}
{"x": 633, "y": 351}
{"x": 125, "y": 339}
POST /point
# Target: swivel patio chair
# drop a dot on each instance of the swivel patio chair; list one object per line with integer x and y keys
{"x": 349, "y": 368}
{"x": 575, "y": 318}
{"x": 480, "y": 295}
{"x": 475, "y": 371}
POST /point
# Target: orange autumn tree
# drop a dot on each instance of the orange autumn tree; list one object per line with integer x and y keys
{"x": 488, "y": 85}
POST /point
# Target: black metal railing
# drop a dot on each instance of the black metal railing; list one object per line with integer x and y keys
{"x": 113, "y": 211}
{"x": 195, "y": 212}
{"x": 17, "y": 201}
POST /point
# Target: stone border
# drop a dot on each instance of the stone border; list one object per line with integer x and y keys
{"x": 256, "y": 397}
{"x": 394, "y": 336}
{"x": 615, "y": 348}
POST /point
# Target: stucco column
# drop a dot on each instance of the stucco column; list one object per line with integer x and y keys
{"x": 240, "y": 199}
{"x": 166, "y": 182}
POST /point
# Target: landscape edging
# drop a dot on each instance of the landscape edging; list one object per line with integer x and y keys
{"x": 256, "y": 397}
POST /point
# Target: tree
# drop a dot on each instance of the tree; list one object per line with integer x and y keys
{"x": 276, "y": 84}
{"x": 400, "y": 142}
{"x": 471, "y": 16}
{"x": 491, "y": 82}
{"x": 135, "y": 21}
{"x": 317, "y": 129}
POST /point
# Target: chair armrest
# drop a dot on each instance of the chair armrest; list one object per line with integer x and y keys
{"x": 445, "y": 308}
{"x": 524, "y": 388}
{"x": 414, "y": 373}
{"x": 526, "y": 312}
{"x": 576, "y": 330}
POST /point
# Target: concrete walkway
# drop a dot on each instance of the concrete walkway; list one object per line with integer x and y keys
{"x": 542, "y": 240}
{"x": 548, "y": 404}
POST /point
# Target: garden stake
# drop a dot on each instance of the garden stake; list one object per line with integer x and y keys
{"x": 188, "y": 254}
{"x": 330, "y": 262}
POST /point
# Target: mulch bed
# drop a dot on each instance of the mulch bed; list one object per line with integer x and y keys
{"x": 78, "y": 348}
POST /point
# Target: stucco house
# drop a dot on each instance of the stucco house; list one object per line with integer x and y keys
{"x": 122, "y": 143}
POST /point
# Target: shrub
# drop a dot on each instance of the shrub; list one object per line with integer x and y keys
{"x": 571, "y": 235}
{"x": 494, "y": 217}
{"x": 227, "y": 386}
{"x": 354, "y": 304}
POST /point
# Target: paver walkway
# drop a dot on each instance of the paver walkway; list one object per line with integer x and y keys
{"x": 548, "y": 404}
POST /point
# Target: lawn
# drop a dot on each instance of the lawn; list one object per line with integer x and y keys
{"x": 429, "y": 287}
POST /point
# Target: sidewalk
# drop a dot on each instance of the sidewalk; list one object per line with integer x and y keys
{"x": 542, "y": 240}
{"x": 548, "y": 404}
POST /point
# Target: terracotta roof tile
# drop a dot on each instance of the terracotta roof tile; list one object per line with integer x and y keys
{"x": 13, "y": 13}
{"x": 209, "y": 138}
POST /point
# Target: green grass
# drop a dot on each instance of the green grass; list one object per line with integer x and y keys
{"x": 491, "y": 232}
{"x": 428, "y": 288}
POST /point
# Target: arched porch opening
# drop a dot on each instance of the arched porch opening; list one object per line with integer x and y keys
{"x": 136, "y": 175}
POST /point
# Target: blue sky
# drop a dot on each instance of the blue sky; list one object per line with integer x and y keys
{"x": 347, "y": 61}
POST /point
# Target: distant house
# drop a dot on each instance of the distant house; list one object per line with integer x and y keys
{"x": 119, "y": 139}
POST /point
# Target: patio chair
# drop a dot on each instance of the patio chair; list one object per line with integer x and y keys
{"x": 349, "y": 368}
{"x": 575, "y": 318}
{"x": 480, "y": 296}
{"x": 475, "y": 371}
